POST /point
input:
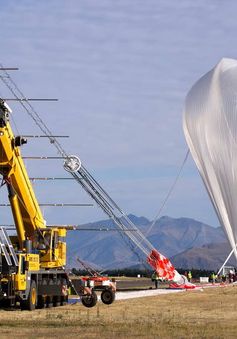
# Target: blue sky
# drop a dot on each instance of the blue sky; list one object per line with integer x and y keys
{"x": 121, "y": 71}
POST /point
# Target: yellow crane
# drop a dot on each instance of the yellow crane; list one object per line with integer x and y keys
{"x": 41, "y": 251}
{"x": 32, "y": 264}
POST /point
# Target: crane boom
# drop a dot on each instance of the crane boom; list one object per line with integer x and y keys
{"x": 73, "y": 165}
{"x": 26, "y": 211}
{"x": 32, "y": 264}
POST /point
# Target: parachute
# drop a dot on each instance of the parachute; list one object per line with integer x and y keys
{"x": 210, "y": 128}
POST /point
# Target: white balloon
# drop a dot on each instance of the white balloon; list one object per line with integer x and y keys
{"x": 210, "y": 128}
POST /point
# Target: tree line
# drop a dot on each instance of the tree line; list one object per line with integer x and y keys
{"x": 132, "y": 272}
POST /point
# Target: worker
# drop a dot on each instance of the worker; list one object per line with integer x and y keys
{"x": 213, "y": 277}
{"x": 223, "y": 278}
{"x": 155, "y": 278}
{"x": 189, "y": 276}
{"x": 230, "y": 276}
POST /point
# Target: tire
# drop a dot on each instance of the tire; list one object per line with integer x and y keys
{"x": 63, "y": 301}
{"x": 89, "y": 300}
{"x": 49, "y": 301}
{"x": 49, "y": 298}
{"x": 5, "y": 303}
{"x": 108, "y": 296}
{"x": 57, "y": 298}
{"x": 56, "y": 301}
{"x": 41, "y": 302}
{"x": 31, "y": 302}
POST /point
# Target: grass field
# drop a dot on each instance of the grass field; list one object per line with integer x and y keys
{"x": 211, "y": 313}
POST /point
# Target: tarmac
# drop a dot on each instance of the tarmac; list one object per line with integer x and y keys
{"x": 145, "y": 293}
{"x": 134, "y": 294}
{"x": 123, "y": 295}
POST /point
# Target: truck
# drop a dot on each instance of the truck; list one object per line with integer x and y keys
{"x": 32, "y": 262}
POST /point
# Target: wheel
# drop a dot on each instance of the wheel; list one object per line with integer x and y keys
{"x": 31, "y": 302}
{"x": 49, "y": 298}
{"x": 49, "y": 301}
{"x": 57, "y": 298}
{"x": 41, "y": 302}
{"x": 63, "y": 301}
{"x": 56, "y": 301}
{"x": 89, "y": 300}
{"x": 5, "y": 303}
{"x": 108, "y": 296}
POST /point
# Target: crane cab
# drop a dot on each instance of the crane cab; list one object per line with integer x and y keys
{"x": 50, "y": 243}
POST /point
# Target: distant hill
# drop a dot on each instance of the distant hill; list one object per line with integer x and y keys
{"x": 172, "y": 236}
{"x": 188, "y": 242}
{"x": 209, "y": 257}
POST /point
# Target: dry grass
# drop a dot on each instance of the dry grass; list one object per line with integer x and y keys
{"x": 211, "y": 313}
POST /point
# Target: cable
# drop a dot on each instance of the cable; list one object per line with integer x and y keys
{"x": 84, "y": 178}
{"x": 169, "y": 193}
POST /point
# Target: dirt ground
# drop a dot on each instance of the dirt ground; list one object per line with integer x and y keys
{"x": 202, "y": 313}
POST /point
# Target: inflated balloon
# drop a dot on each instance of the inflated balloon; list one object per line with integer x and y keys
{"x": 210, "y": 128}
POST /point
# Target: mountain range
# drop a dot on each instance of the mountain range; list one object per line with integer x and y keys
{"x": 187, "y": 242}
